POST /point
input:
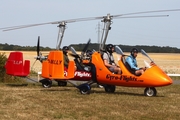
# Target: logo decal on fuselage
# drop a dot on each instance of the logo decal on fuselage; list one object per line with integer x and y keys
{"x": 82, "y": 74}
{"x": 79, "y": 74}
{"x": 123, "y": 77}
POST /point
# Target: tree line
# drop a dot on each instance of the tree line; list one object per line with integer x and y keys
{"x": 95, "y": 46}
{"x": 127, "y": 48}
{"x": 11, "y": 47}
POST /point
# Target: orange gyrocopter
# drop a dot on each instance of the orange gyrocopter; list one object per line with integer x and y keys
{"x": 53, "y": 68}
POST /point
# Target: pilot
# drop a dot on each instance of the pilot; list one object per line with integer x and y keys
{"x": 109, "y": 59}
{"x": 65, "y": 55}
{"x": 66, "y": 58}
{"x": 132, "y": 63}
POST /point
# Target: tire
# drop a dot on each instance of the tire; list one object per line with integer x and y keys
{"x": 150, "y": 91}
{"x": 85, "y": 89}
{"x": 62, "y": 83}
{"x": 110, "y": 88}
{"x": 47, "y": 84}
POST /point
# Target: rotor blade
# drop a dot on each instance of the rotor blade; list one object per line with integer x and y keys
{"x": 56, "y": 22}
{"x": 22, "y": 26}
{"x": 144, "y": 53}
{"x": 78, "y": 20}
{"x": 75, "y": 20}
{"x": 84, "y": 19}
{"x": 156, "y": 11}
{"x": 38, "y": 47}
{"x": 142, "y": 16}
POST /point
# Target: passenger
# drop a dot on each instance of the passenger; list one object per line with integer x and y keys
{"x": 131, "y": 61}
{"x": 109, "y": 59}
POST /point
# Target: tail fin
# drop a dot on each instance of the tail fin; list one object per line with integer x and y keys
{"x": 16, "y": 66}
{"x": 53, "y": 68}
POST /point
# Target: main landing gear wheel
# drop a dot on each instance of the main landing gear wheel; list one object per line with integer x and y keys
{"x": 150, "y": 91}
{"x": 46, "y": 83}
{"x": 62, "y": 83}
{"x": 110, "y": 88}
{"x": 84, "y": 89}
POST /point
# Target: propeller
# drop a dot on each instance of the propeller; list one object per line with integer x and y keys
{"x": 39, "y": 54}
{"x": 105, "y": 18}
{"x": 85, "y": 48}
{"x": 38, "y": 46}
{"x": 81, "y": 56}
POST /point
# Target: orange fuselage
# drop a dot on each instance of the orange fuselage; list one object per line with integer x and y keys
{"x": 152, "y": 77}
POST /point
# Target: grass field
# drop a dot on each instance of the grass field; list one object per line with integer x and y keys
{"x": 27, "y": 101}
{"x": 32, "y": 102}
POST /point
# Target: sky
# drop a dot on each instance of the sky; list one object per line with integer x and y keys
{"x": 158, "y": 31}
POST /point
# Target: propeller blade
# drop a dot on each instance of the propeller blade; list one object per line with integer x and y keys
{"x": 73, "y": 50}
{"x": 38, "y": 47}
{"x": 86, "y": 46}
{"x": 33, "y": 64}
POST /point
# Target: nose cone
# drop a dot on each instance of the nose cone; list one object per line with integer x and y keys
{"x": 164, "y": 79}
{"x": 157, "y": 78}
{"x": 167, "y": 81}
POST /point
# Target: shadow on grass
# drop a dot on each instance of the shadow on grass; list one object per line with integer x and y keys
{"x": 122, "y": 93}
{"x": 56, "y": 89}
{"x": 16, "y": 85}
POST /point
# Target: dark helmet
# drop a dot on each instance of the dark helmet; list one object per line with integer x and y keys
{"x": 65, "y": 48}
{"x": 109, "y": 47}
{"x": 89, "y": 52}
{"x": 134, "y": 50}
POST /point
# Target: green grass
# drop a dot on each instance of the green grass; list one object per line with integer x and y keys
{"x": 31, "y": 101}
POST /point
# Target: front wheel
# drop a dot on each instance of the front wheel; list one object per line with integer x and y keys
{"x": 84, "y": 89}
{"x": 47, "y": 84}
{"x": 150, "y": 91}
{"x": 110, "y": 88}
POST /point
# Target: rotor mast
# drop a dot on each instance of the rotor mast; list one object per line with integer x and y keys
{"x": 107, "y": 23}
{"x": 62, "y": 27}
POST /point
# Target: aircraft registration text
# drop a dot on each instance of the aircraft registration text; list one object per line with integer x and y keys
{"x": 56, "y": 62}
